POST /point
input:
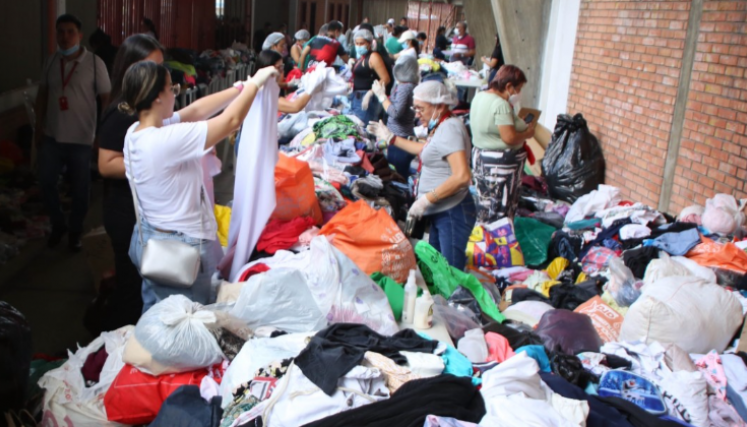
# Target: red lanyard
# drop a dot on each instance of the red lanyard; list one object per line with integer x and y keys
{"x": 66, "y": 80}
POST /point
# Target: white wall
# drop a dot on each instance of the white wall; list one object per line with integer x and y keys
{"x": 558, "y": 60}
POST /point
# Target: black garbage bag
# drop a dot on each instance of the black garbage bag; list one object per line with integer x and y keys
{"x": 573, "y": 164}
{"x": 15, "y": 357}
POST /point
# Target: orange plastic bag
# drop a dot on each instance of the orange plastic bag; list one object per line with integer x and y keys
{"x": 712, "y": 254}
{"x": 606, "y": 321}
{"x": 372, "y": 240}
{"x": 294, "y": 190}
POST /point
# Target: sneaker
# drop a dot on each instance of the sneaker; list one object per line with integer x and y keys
{"x": 55, "y": 237}
{"x": 74, "y": 243}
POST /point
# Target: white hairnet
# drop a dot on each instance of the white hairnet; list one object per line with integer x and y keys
{"x": 434, "y": 92}
{"x": 406, "y": 70}
{"x": 364, "y": 34}
{"x": 272, "y": 40}
{"x": 302, "y": 35}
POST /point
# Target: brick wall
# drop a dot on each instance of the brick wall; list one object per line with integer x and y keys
{"x": 713, "y": 152}
{"x": 626, "y": 70}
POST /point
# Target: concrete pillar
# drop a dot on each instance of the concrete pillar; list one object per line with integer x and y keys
{"x": 522, "y": 26}
{"x": 680, "y": 103}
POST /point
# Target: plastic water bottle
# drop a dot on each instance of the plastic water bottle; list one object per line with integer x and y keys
{"x": 411, "y": 294}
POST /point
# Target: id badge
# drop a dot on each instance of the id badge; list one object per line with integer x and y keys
{"x": 63, "y": 103}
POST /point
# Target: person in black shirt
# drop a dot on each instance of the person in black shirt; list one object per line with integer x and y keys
{"x": 101, "y": 44}
{"x": 442, "y": 43}
{"x": 125, "y": 303}
{"x": 496, "y": 59}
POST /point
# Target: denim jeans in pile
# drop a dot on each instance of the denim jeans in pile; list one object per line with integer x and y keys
{"x": 450, "y": 231}
{"x": 372, "y": 114}
{"x": 201, "y": 291}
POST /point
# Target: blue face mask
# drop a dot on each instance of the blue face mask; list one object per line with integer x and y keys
{"x": 361, "y": 51}
{"x": 432, "y": 124}
{"x": 405, "y": 45}
{"x": 68, "y": 52}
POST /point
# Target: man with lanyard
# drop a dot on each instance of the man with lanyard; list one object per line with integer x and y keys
{"x": 72, "y": 79}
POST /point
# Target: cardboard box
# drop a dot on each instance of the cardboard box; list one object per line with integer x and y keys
{"x": 98, "y": 250}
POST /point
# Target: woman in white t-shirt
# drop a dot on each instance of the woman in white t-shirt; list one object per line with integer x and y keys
{"x": 410, "y": 45}
{"x": 162, "y": 154}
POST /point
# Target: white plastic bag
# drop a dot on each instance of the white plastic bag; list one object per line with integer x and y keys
{"x": 175, "y": 332}
{"x": 67, "y": 400}
{"x": 680, "y": 310}
{"x": 663, "y": 267}
{"x": 279, "y": 298}
{"x": 338, "y": 288}
{"x": 722, "y": 215}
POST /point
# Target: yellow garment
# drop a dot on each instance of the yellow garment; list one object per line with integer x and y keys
{"x": 435, "y": 66}
{"x": 544, "y": 287}
{"x": 310, "y": 139}
{"x": 557, "y": 266}
{"x": 607, "y": 298}
{"x": 581, "y": 278}
{"x": 223, "y": 217}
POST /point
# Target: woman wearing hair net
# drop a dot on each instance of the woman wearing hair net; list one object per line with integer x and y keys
{"x": 276, "y": 42}
{"x": 398, "y": 107}
{"x": 301, "y": 36}
{"x": 443, "y": 187}
{"x": 368, "y": 68}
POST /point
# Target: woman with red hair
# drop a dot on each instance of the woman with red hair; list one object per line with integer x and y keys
{"x": 498, "y": 137}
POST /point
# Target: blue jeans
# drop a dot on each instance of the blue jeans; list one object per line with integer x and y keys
{"x": 400, "y": 159}
{"x": 201, "y": 291}
{"x": 53, "y": 157}
{"x": 450, "y": 231}
{"x": 373, "y": 114}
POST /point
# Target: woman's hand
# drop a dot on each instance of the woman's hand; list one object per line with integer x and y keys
{"x": 380, "y": 130}
{"x": 418, "y": 208}
{"x": 264, "y": 74}
{"x": 379, "y": 90}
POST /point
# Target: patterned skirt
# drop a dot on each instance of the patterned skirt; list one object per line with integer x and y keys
{"x": 497, "y": 177}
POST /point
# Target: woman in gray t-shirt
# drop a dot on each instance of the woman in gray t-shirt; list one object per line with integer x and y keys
{"x": 443, "y": 188}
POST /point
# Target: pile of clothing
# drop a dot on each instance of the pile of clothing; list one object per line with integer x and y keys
{"x": 594, "y": 311}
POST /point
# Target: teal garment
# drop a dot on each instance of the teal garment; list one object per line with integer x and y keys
{"x": 443, "y": 279}
{"x": 339, "y": 127}
{"x": 455, "y": 363}
{"x": 537, "y": 352}
{"x": 534, "y": 239}
{"x": 584, "y": 224}
{"x": 395, "y": 293}
{"x": 393, "y": 46}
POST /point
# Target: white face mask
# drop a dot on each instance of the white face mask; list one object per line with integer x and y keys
{"x": 515, "y": 101}
{"x": 456, "y": 32}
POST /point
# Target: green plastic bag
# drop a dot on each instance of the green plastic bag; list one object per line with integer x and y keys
{"x": 443, "y": 279}
{"x": 395, "y": 293}
{"x": 534, "y": 239}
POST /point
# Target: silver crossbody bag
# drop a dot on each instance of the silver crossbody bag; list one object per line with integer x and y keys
{"x": 167, "y": 261}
